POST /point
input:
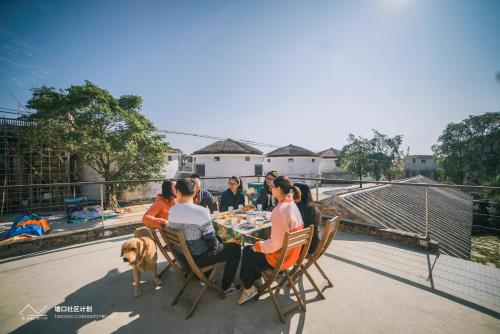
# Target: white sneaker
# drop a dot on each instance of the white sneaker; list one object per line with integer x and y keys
{"x": 246, "y": 295}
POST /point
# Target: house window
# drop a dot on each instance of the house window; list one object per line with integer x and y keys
{"x": 247, "y": 158}
{"x": 199, "y": 169}
{"x": 414, "y": 160}
{"x": 422, "y": 161}
{"x": 216, "y": 158}
{"x": 258, "y": 170}
{"x": 268, "y": 160}
{"x": 313, "y": 160}
{"x": 169, "y": 158}
{"x": 290, "y": 159}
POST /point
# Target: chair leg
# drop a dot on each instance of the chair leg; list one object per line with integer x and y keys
{"x": 323, "y": 274}
{"x": 181, "y": 291}
{"x": 164, "y": 270}
{"x": 302, "y": 305}
{"x": 314, "y": 285}
{"x": 213, "y": 286}
{"x": 196, "y": 301}
{"x": 275, "y": 302}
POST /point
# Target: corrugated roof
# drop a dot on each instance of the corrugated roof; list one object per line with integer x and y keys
{"x": 329, "y": 153}
{"x": 228, "y": 146}
{"x": 292, "y": 151}
{"x": 403, "y": 208}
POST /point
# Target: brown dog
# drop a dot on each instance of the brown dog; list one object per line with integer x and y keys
{"x": 140, "y": 252}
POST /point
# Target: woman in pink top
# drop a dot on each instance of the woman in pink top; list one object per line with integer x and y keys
{"x": 264, "y": 254}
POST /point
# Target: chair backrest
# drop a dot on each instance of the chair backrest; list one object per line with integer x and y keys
{"x": 329, "y": 232}
{"x": 294, "y": 239}
{"x": 175, "y": 240}
{"x": 178, "y": 266}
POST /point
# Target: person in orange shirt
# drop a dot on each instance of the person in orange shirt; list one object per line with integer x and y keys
{"x": 265, "y": 254}
{"x": 157, "y": 214}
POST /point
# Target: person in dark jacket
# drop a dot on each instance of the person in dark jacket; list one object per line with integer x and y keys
{"x": 310, "y": 213}
{"x": 233, "y": 196}
{"x": 202, "y": 197}
{"x": 265, "y": 195}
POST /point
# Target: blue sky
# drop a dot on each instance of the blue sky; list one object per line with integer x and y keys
{"x": 280, "y": 72}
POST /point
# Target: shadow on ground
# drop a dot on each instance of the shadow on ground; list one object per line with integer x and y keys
{"x": 111, "y": 296}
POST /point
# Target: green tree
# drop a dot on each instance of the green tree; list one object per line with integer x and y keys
{"x": 108, "y": 134}
{"x": 379, "y": 156}
{"x": 355, "y": 156}
{"x": 385, "y": 155}
{"x": 469, "y": 151}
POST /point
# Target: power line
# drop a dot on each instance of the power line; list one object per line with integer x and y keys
{"x": 250, "y": 142}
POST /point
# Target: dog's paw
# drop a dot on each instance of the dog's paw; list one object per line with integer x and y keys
{"x": 156, "y": 281}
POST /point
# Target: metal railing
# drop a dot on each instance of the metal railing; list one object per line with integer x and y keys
{"x": 429, "y": 199}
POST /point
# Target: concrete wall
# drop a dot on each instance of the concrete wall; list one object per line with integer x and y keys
{"x": 169, "y": 170}
{"x": 227, "y": 165}
{"x": 300, "y": 166}
{"x": 328, "y": 165}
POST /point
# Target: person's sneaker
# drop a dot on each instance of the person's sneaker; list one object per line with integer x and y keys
{"x": 232, "y": 290}
{"x": 246, "y": 295}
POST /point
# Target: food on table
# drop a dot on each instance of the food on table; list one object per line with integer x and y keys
{"x": 248, "y": 207}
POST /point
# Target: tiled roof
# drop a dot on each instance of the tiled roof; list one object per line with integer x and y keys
{"x": 329, "y": 153}
{"x": 228, "y": 146}
{"x": 292, "y": 151}
{"x": 403, "y": 208}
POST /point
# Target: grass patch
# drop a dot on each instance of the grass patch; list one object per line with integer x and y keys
{"x": 486, "y": 250}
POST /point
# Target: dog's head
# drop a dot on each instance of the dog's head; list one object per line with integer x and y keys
{"x": 133, "y": 250}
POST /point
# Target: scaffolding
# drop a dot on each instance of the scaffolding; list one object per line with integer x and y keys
{"x": 22, "y": 164}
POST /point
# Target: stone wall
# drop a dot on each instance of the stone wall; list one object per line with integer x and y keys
{"x": 51, "y": 241}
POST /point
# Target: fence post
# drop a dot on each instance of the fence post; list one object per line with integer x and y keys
{"x": 426, "y": 213}
{"x": 102, "y": 204}
{"x": 317, "y": 191}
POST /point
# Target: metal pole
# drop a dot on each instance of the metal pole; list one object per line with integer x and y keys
{"x": 426, "y": 213}
{"x": 317, "y": 192}
{"x": 102, "y": 205}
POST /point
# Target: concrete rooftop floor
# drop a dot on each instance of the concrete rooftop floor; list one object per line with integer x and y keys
{"x": 380, "y": 287}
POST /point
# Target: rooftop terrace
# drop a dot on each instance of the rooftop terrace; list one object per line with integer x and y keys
{"x": 380, "y": 287}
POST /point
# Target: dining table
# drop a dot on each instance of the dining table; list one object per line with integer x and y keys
{"x": 242, "y": 228}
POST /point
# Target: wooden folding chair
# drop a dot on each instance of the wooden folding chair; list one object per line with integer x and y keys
{"x": 175, "y": 240}
{"x": 302, "y": 239}
{"x": 329, "y": 232}
{"x": 165, "y": 250}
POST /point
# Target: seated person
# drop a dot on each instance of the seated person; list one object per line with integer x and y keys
{"x": 265, "y": 254}
{"x": 202, "y": 197}
{"x": 233, "y": 196}
{"x": 196, "y": 224}
{"x": 265, "y": 197}
{"x": 310, "y": 213}
{"x": 157, "y": 214}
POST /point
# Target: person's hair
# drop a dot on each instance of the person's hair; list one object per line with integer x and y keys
{"x": 195, "y": 176}
{"x": 274, "y": 174}
{"x": 308, "y": 208}
{"x": 285, "y": 184}
{"x": 166, "y": 189}
{"x": 185, "y": 186}
{"x": 235, "y": 179}
{"x": 305, "y": 193}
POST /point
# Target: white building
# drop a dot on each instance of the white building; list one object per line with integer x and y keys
{"x": 226, "y": 158}
{"x": 424, "y": 165}
{"x": 149, "y": 190}
{"x": 329, "y": 161}
{"x": 293, "y": 161}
